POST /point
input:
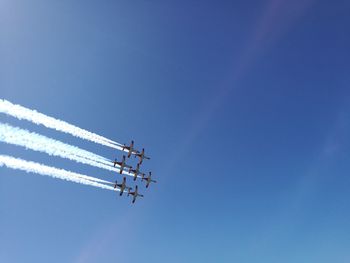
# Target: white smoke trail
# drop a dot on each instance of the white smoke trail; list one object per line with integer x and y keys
{"x": 34, "y": 141}
{"x": 21, "y": 112}
{"x": 32, "y": 167}
{"x": 40, "y": 143}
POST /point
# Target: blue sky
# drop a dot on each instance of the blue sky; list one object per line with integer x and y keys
{"x": 243, "y": 107}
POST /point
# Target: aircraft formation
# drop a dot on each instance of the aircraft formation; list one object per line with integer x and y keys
{"x": 40, "y": 143}
{"x": 135, "y": 172}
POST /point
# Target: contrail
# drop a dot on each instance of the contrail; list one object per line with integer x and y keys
{"x": 37, "y": 142}
{"x": 40, "y": 143}
{"x": 32, "y": 167}
{"x": 21, "y": 112}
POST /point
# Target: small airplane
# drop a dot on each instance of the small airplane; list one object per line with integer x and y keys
{"x": 122, "y": 186}
{"x": 122, "y": 164}
{"x": 141, "y": 155}
{"x": 134, "y": 194}
{"x": 130, "y": 149}
{"x": 148, "y": 179}
{"x": 136, "y": 171}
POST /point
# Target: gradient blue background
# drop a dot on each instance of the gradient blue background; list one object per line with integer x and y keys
{"x": 242, "y": 105}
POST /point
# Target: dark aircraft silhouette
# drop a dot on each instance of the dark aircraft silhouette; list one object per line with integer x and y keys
{"x": 131, "y": 149}
{"x": 141, "y": 156}
{"x": 122, "y": 186}
{"x": 148, "y": 179}
{"x": 136, "y": 171}
{"x": 134, "y": 194}
{"x": 122, "y": 164}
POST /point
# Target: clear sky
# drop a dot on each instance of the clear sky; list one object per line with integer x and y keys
{"x": 243, "y": 106}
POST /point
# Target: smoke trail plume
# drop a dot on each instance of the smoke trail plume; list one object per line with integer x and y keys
{"x": 40, "y": 143}
{"x": 21, "y": 112}
{"x": 32, "y": 167}
{"x": 21, "y": 137}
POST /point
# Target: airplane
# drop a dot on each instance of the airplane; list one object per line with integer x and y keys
{"x": 134, "y": 194}
{"x": 141, "y": 155}
{"x": 122, "y": 164}
{"x": 122, "y": 186}
{"x": 148, "y": 179}
{"x": 130, "y": 149}
{"x": 136, "y": 171}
